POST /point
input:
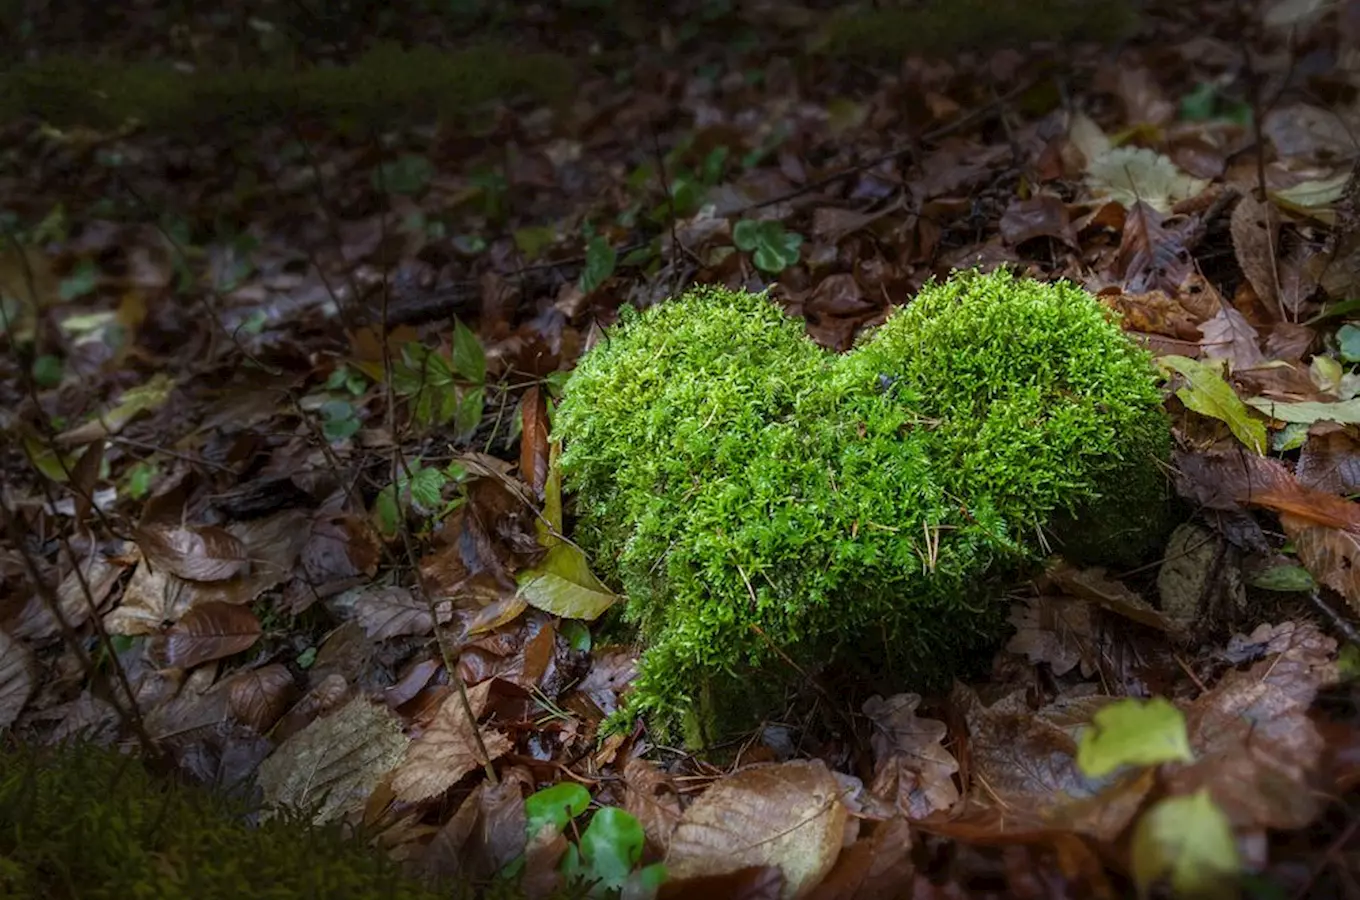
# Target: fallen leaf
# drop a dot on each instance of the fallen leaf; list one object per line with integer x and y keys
{"x": 1190, "y": 842}
{"x": 912, "y": 769}
{"x": 258, "y": 697}
{"x": 388, "y": 612}
{"x": 334, "y": 763}
{"x": 1208, "y": 394}
{"x": 1230, "y": 336}
{"x": 448, "y": 749}
{"x": 16, "y": 679}
{"x": 1255, "y": 229}
{"x": 209, "y": 631}
{"x": 788, "y": 815}
{"x": 196, "y": 553}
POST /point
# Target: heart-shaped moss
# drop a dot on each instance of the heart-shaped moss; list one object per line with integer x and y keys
{"x": 768, "y": 506}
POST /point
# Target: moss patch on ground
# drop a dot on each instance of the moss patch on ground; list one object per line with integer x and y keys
{"x": 768, "y": 506}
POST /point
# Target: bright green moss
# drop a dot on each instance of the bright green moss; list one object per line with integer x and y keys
{"x": 762, "y": 501}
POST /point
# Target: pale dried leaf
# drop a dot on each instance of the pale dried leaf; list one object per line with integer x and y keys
{"x": 388, "y": 612}
{"x": 788, "y": 815}
{"x": 16, "y": 679}
{"x": 1256, "y": 241}
{"x": 447, "y": 750}
{"x": 335, "y": 762}
{"x": 1230, "y": 336}
{"x": 912, "y": 769}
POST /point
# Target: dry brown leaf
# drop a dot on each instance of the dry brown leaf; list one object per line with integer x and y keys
{"x": 1256, "y": 749}
{"x": 341, "y": 546}
{"x": 94, "y": 572}
{"x": 1041, "y": 216}
{"x": 211, "y": 631}
{"x": 877, "y": 867}
{"x": 650, "y": 795}
{"x": 1330, "y": 460}
{"x": 388, "y": 612}
{"x": 258, "y": 697}
{"x": 16, "y": 679}
{"x": 336, "y": 762}
{"x": 1092, "y": 584}
{"x": 912, "y": 769}
{"x": 448, "y": 750}
{"x": 533, "y": 445}
{"x": 1055, "y": 630}
{"x": 788, "y": 815}
{"x": 1229, "y": 335}
{"x": 1256, "y": 236}
{"x": 1330, "y": 555}
{"x": 1151, "y": 257}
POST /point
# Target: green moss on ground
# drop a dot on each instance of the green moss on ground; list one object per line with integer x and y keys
{"x": 762, "y": 501}
{"x": 85, "y": 822}
{"x": 386, "y": 85}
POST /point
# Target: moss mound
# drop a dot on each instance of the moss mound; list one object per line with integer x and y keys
{"x": 762, "y": 501}
{"x": 85, "y": 822}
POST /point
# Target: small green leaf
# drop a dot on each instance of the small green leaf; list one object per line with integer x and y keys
{"x": 772, "y": 248}
{"x": 338, "y": 420}
{"x": 610, "y": 847}
{"x": 563, "y": 585}
{"x": 1348, "y": 338}
{"x": 468, "y": 414}
{"x": 47, "y": 371}
{"x": 1347, "y": 662}
{"x": 1208, "y": 394}
{"x": 1189, "y": 841}
{"x": 469, "y": 359}
{"x": 555, "y": 806}
{"x": 576, "y": 634}
{"x": 1285, "y": 578}
{"x": 1133, "y": 733}
{"x": 1291, "y": 437}
{"x": 600, "y": 261}
{"x": 139, "y": 479}
{"x": 408, "y": 174}
{"x": 80, "y": 282}
{"x": 306, "y": 658}
{"x": 425, "y": 486}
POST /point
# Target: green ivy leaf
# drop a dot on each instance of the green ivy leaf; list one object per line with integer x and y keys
{"x": 1133, "y": 733}
{"x": 1208, "y": 394}
{"x": 469, "y": 359}
{"x": 600, "y": 262}
{"x": 1189, "y": 841}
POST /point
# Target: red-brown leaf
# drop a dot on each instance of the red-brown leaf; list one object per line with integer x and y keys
{"x": 211, "y": 631}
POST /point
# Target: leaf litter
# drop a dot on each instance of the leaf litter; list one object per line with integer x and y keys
{"x": 320, "y": 489}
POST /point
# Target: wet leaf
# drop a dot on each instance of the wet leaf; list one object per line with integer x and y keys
{"x": 209, "y": 631}
{"x": 197, "y": 553}
{"x": 258, "y": 697}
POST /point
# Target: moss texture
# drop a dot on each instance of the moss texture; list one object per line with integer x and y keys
{"x": 762, "y": 501}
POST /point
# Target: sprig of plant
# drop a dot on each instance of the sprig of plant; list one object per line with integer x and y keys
{"x": 443, "y": 388}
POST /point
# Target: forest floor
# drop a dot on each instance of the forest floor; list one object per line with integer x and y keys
{"x": 281, "y": 352}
